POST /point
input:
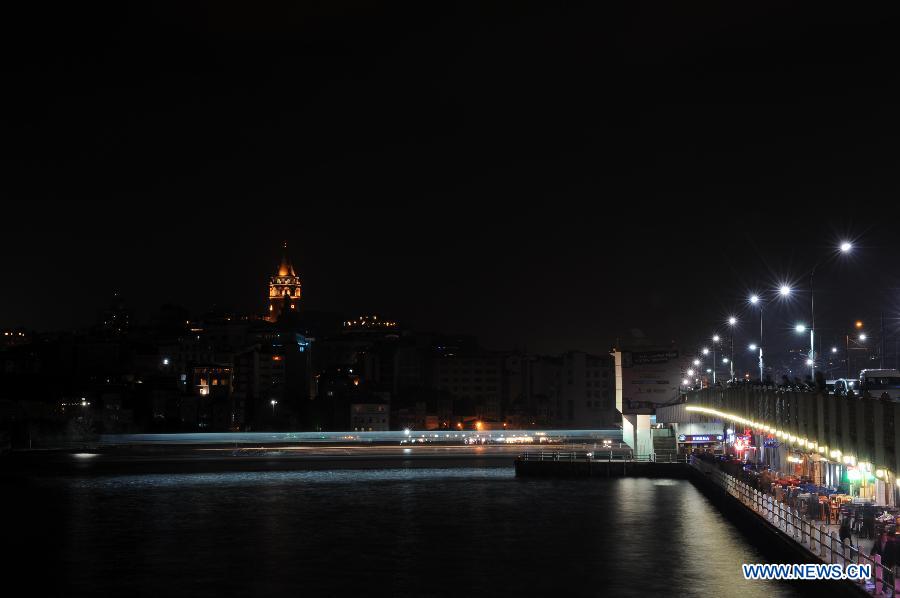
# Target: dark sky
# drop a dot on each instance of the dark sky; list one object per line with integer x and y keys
{"x": 546, "y": 175}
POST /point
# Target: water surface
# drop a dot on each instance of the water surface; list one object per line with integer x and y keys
{"x": 393, "y": 532}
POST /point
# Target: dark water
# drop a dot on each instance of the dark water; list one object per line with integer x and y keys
{"x": 391, "y": 532}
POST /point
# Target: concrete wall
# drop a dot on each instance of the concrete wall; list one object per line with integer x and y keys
{"x": 859, "y": 426}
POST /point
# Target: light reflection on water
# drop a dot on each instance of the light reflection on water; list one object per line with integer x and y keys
{"x": 339, "y": 476}
{"x": 393, "y": 532}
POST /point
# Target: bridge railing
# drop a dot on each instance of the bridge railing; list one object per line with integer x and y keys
{"x": 600, "y": 456}
{"x": 815, "y": 538}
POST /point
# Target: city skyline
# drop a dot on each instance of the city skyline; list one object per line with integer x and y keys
{"x": 355, "y": 289}
{"x": 424, "y": 172}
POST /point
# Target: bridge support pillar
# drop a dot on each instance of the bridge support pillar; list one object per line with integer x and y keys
{"x": 636, "y": 434}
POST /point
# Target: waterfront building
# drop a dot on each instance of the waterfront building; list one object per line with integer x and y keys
{"x": 586, "y": 397}
{"x": 370, "y": 416}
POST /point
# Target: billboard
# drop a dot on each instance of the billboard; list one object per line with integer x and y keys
{"x": 647, "y": 378}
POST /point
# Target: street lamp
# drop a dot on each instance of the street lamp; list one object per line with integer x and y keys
{"x": 732, "y": 322}
{"x": 755, "y": 300}
{"x": 859, "y": 339}
{"x": 715, "y": 340}
{"x": 273, "y": 402}
{"x": 844, "y": 247}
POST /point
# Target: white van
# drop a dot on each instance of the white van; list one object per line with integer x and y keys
{"x": 878, "y": 382}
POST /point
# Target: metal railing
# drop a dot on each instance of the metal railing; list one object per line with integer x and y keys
{"x": 816, "y": 539}
{"x": 600, "y": 456}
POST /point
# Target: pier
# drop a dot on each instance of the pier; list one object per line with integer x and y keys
{"x": 604, "y": 464}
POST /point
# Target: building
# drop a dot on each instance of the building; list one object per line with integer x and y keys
{"x": 370, "y": 416}
{"x": 476, "y": 381}
{"x": 259, "y": 379}
{"x": 284, "y": 289}
{"x": 586, "y": 392}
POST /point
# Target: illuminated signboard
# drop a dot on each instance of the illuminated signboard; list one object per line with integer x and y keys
{"x": 699, "y": 438}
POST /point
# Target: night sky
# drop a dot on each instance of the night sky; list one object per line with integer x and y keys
{"x": 547, "y": 176}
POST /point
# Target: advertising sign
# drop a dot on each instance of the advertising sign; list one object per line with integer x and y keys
{"x": 699, "y": 438}
{"x": 649, "y": 378}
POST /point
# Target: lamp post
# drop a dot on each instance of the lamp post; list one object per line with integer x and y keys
{"x": 732, "y": 322}
{"x": 755, "y": 300}
{"x": 273, "y": 402}
{"x": 844, "y": 247}
{"x": 715, "y": 340}
{"x": 860, "y": 339}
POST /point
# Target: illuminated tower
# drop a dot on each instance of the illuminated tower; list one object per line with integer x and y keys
{"x": 284, "y": 289}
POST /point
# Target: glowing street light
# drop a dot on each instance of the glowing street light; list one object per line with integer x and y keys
{"x": 705, "y": 351}
{"x": 732, "y": 321}
{"x": 846, "y": 246}
{"x": 784, "y": 290}
{"x": 715, "y": 338}
{"x": 724, "y": 360}
{"x": 834, "y": 349}
{"x": 801, "y": 328}
{"x": 809, "y": 362}
{"x": 696, "y": 362}
{"x": 273, "y": 402}
{"x": 862, "y": 336}
{"x": 756, "y": 301}
{"x": 690, "y": 372}
{"x": 752, "y": 347}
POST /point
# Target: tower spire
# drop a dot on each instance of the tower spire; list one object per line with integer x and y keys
{"x": 286, "y": 268}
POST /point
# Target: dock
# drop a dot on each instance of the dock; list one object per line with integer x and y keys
{"x": 578, "y": 464}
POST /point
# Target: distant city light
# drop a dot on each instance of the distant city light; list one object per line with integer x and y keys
{"x": 859, "y": 324}
{"x": 165, "y": 361}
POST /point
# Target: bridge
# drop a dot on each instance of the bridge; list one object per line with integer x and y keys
{"x": 824, "y": 435}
